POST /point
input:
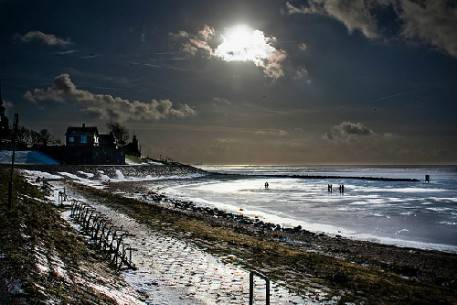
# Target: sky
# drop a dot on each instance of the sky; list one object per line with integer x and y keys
{"x": 241, "y": 82}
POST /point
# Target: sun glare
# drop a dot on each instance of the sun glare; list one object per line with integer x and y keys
{"x": 241, "y": 43}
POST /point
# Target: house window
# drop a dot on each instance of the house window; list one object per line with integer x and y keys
{"x": 71, "y": 139}
{"x": 83, "y": 139}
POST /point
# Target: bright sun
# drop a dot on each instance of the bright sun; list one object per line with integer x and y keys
{"x": 241, "y": 43}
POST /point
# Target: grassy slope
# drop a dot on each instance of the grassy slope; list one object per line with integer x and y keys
{"x": 362, "y": 284}
{"x": 29, "y": 226}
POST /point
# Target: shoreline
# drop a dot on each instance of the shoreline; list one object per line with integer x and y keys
{"x": 367, "y": 178}
{"x": 138, "y": 174}
{"x": 340, "y": 263}
{"x": 290, "y": 248}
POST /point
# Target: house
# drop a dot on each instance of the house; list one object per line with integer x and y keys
{"x": 82, "y": 136}
{"x": 84, "y": 145}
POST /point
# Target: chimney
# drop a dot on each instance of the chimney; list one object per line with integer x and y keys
{"x": 84, "y": 125}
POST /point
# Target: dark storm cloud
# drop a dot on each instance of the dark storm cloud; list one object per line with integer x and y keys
{"x": 432, "y": 22}
{"x": 354, "y": 14}
{"x": 43, "y": 38}
{"x": 346, "y": 131}
{"x": 108, "y": 107}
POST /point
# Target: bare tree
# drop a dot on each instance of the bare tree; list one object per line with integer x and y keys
{"x": 45, "y": 136}
{"x": 23, "y": 135}
{"x": 120, "y": 132}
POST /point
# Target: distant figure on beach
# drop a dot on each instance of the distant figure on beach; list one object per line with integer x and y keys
{"x": 267, "y": 185}
{"x": 427, "y": 178}
{"x": 341, "y": 188}
{"x": 330, "y": 188}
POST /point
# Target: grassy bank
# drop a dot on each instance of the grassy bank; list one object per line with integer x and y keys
{"x": 41, "y": 257}
{"x": 367, "y": 284}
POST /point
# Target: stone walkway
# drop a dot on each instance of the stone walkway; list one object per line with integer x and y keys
{"x": 172, "y": 271}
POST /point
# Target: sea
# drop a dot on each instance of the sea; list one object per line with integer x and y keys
{"x": 403, "y": 213}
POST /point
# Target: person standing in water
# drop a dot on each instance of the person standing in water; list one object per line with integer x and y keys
{"x": 330, "y": 188}
{"x": 266, "y": 185}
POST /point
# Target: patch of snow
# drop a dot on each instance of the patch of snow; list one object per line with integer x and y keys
{"x": 101, "y": 176}
{"x": 42, "y": 262}
{"x": 58, "y": 266}
{"x": 15, "y": 287}
{"x": 154, "y": 163}
{"x": 122, "y": 295}
{"x": 122, "y": 178}
{"x": 88, "y": 175}
{"x": 120, "y": 175}
{"x": 87, "y": 182}
{"x": 26, "y": 157}
{"x": 34, "y": 174}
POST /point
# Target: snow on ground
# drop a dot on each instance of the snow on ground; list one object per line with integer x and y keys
{"x": 85, "y": 277}
{"x": 172, "y": 271}
{"x": 39, "y": 174}
{"x": 137, "y": 161}
{"x": 122, "y": 294}
{"x": 121, "y": 178}
{"x": 95, "y": 183}
{"x": 154, "y": 163}
{"x": 88, "y": 175}
{"x": 26, "y": 157}
{"x": 15, "y": 287}
{"x": 100, "y": 179}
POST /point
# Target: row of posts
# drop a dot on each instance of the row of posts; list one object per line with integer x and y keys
{"x": 108, "y": 238}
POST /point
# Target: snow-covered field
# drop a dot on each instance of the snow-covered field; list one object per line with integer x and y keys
{"x": 26, "y": 157}
{"x": 100, "y": 179}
